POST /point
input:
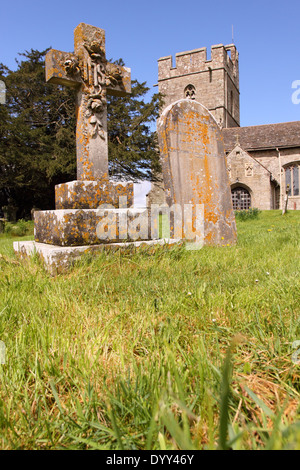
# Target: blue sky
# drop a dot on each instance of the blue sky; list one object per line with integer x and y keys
{"x": 266, "y": 34}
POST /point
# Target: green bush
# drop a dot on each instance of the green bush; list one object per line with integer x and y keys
{"x": 18, "y": 229}
{"x": 251, "y": 213}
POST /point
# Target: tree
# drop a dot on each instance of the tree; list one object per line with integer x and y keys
{"x": 37, "y": 135}
{"x": 132, "y": 145}
{"x": 37, "y": 147}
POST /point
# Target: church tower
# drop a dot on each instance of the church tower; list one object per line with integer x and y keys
{"x": 213, "y": 82}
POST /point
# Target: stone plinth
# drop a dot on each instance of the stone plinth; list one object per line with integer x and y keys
{"x": 92, "y": 194}
{"x": 58, "y": 259}
{"x": 75, "y": 227}
{"x": 194, "y": 167}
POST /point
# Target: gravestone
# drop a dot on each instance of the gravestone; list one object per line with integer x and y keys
{"x": 10, "y": 211}
{"x": 2, "y": 92}
{"x": 194, "y": 168}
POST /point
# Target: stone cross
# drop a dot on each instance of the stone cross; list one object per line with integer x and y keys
{"x": 93, "y": 77}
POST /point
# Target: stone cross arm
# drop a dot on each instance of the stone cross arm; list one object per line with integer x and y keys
{"x": 87, "y": 64}
{"x": 57, "y": 72}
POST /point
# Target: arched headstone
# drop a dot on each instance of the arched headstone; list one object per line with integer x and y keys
{"x": 194, "y": 167}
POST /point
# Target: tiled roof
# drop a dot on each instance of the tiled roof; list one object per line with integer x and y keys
{"x": 285, "y": 134}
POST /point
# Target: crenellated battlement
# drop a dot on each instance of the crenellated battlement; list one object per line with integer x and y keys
{"x": 195, "y": 61}
{"x": 213, "y": 81}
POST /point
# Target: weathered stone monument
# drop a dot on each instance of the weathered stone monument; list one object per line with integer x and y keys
{"x": 92, "y": 77}
{"x": 61, "y": 235}
{"x": 194, "y": 169}
{"x": 75, "y": 219}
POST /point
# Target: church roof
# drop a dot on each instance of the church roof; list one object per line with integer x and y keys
{"x": 284, "y": 134}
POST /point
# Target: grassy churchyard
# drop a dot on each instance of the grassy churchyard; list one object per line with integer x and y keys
{"x": 162, "y": 348}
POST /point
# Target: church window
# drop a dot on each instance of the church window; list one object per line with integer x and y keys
{"x": 190, "y": 92}
{"x": 292, "y": 180}
{"x": 288, "y": 179}
{"x": 241, "y": 199}
{"x": 296, "y": 180}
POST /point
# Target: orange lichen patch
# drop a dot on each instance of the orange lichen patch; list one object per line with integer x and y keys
{"x": 87, "y": 170}
{"x": 91, "y": 194}
{"x": 208, "y": 237}
{"x": 210, "y": 216}
{"x": 196, "y": 130}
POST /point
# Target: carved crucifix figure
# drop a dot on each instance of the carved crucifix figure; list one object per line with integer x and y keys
{"x": 93, "y": 77}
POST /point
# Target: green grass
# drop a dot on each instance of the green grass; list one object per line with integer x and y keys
{"x": 161, "y": 348}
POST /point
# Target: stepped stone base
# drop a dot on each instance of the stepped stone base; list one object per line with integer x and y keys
{"x": 92, "y": 194}
{"x": 75, "y": 227}
{"x": 58, "y": 259}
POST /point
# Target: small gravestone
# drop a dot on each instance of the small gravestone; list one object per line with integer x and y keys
{"x": 2, "y": 92}
{"x": 10, "y": 211}
{"x": 194, "y": 168}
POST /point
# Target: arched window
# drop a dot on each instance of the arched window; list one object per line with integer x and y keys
{"x": 292, "y": 174}
{"x": 190, "y": 92}
{"x": 241, "y": 199}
